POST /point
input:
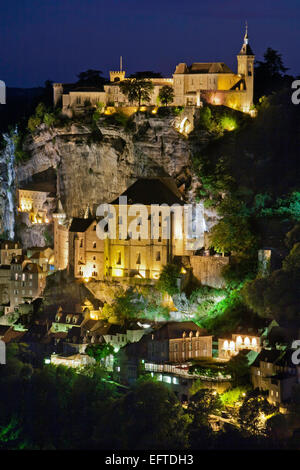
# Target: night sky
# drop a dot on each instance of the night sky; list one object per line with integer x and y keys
{"x": 57, "y": 39}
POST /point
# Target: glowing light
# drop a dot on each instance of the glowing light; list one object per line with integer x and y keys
{"x": 232, "y": 346}
{"x": 225, "y": 345}
{"x": 117, "y": 272}
{"x": 254, "y": 342}
{"x": 154, "y": 111}
{"x": 143, "y": 108}
{"x": 47, "y": 361}
{"x": 86, "y": 279}
{"x": 247, "y": 341}
{"x": 239, "y": 341}
{"x": 181, "y": 127}
{"x": 183, "y": 270}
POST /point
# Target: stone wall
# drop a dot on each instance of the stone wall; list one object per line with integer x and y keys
{"x": 207, "y": 269}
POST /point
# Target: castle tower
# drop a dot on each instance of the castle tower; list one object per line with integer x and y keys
{"x": 119, "y": 75}
{"x": 245, "y": 60}
{"x": 60, "y": 237}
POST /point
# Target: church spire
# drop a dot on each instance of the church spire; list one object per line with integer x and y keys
{"x": 246, "y": 38}
{"x": 87, "y": 214}
{"x": 246, "y": 49}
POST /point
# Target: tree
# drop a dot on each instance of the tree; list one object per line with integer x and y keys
{"x": 293, "y": 236}
{"x": 254, "y": 412}
{"x": 91, "y": 78}
{"x": 270, "y": 74}
{"x": 99, "y": 351}
{"x": 238, "y": 368}
{"x": 203, "y": 403}
{"x": 146, "y": 74}
{"x": 147, "y": 417}
{"x": 272, "y": 63}
{"x": 137, "y": 90}
{"x": 233, "y": 233}
{"x": 168, "y": 279}
{"x": 166, "y": 95}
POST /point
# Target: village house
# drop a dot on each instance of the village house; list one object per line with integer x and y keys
{"x": 179, "y": 342}
{"x": 274, "y": 372}
{"x": 231, "y": 346}
{"x": 27, "y": 281}
{"x": 9, "y": 249}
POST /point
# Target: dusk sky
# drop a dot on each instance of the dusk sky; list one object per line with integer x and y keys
{"x": 57, "y": 39}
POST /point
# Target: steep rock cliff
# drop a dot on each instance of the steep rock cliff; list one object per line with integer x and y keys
{"x": 97, "y": 168}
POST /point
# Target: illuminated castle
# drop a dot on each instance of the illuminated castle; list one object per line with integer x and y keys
{"x": 213, "y": 82}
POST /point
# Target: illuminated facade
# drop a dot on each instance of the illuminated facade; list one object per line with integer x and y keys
{"x": 36, "y": 197}
{"x": 9, "y": 249}
{"x": 86, "y": 250}
{"x": 145, "y": 256}
{"x": 213, "y": 82}
{"x": 231, "y": 347}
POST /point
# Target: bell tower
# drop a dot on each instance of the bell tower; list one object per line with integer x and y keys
{"x": 245, "y": 60}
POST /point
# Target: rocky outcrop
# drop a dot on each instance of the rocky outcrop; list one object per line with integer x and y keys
{"x": 94, "y": 167}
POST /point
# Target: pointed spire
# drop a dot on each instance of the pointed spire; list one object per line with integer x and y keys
{"x": 121, "y": 63}
{"x": 246, "y": 38}
{"x": 59, "y": 208}
{"x": 87, "y": 214}
{"x": 246, "y": 49}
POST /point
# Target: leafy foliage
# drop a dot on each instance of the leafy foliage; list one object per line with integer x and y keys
{"x": 99, "y": 351}
{"x": 137, "y": 90}
{"x": 166, "y": 95}
{"x": 168, "y": 279}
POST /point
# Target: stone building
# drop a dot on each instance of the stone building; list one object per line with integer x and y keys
{"x": 27, "y": 281}
{"x": 179, "y": 342}
{"x": 145, "y": 256}
{"x": 214, "y": 82}
{"x": 8, "y": 250}
{"x": 231, "y": 346}
{"x": 86, "y": 250}
{"x": 273, "y": 371}
{"x": 36, "y": 197}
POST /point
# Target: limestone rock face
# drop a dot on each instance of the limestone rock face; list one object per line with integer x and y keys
{"x": 94, "y": 170}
